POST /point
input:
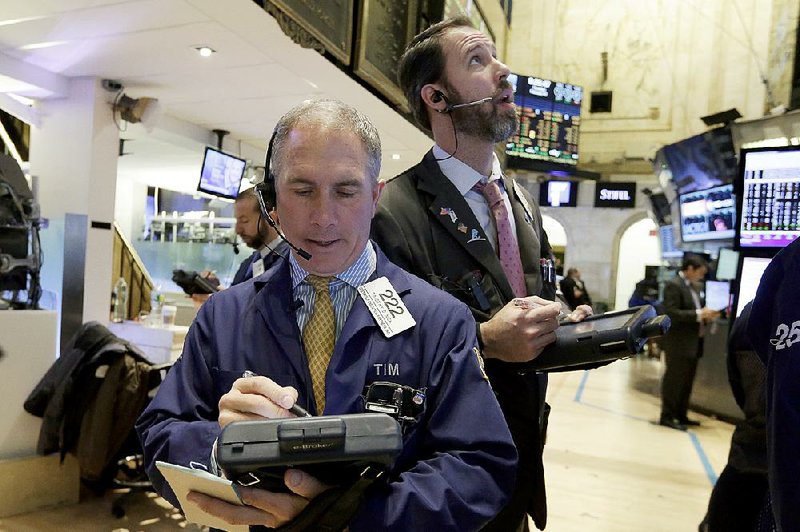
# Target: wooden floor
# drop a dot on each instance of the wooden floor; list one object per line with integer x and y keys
{"x": 609, "y": 468}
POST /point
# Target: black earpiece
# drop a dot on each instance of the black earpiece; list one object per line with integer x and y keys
{"x": 268, "y": 198}
{"x": 438, "y": 96}
{"x": 266, "y": 189}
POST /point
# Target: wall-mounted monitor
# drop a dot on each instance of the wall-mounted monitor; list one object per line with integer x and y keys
{"x": 615, "y": 195}
{"x": 221, "y": 174}
{"x": 769, "y": 198}
{"x": 558, "y": 194}
{"x": 701, "y": 161}
{"x": 727, "y": 262}
{"x": 718, "y": 294}
{"x": 708, "y": 214}
{"x": 749, "y": 279}
{"x": 666, "y": 234}
{"x": 549, "y": 121}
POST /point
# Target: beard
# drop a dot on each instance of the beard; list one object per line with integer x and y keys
{"x": 484, "y": 121}
{"x": 253, "y": 241}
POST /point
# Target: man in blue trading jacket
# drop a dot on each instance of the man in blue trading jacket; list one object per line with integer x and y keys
{"x": 258, "y": 235}
{"x": 457, "y": 222}
{"x": 774, "y": 329}
{"x": 458, "y": 461}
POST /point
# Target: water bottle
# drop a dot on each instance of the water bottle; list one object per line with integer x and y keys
{"x": 119, "y": 297}
{"x": 156, "y": 300}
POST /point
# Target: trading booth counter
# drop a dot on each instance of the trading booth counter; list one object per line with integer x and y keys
{"x": 712, "y": 393}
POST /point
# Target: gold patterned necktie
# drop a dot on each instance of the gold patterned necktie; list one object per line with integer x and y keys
{"x": 319, "y": 337}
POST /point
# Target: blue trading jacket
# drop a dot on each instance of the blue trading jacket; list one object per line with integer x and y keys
{"x": 458, "y": 462}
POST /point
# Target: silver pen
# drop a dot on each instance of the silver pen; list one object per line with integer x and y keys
{"x": 295, "y": 409}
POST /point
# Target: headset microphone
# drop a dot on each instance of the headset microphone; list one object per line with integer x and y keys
{"x": 450, "y": 106}
{"x": 265, "y": 214}
{"x": 267, "y": 189}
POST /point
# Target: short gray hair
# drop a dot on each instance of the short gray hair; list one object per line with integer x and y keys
{"x": 328, "y": 115}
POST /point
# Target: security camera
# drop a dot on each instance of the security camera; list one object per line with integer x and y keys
{"x": 112, "y": 85}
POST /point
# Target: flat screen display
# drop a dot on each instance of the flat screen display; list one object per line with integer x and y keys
{"x": 700, "y": 162}
{"x": 558, "y": 194}
{"x": 549, "y": 121}
{"x": 221, "y": 174}
{"x": 718, "y": 294}
{"x": 668, "y": 249}
{"x": 603, "y": 323}
{"x": 752, "y": 270}
{"x": 770, "y": 197}
{"x": 707, "y": 214}
{"x": 726, "y": 264}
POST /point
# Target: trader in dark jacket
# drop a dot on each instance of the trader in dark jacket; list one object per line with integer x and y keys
{"x": 774, "y": 329}
{"x": 456, "y": 221}
{"x": 684, "y": 341}
{"x": 574, "y": 289}
{"x": 740, "y": 490}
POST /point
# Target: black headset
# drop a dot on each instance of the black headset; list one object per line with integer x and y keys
{"x": 268, "y": 198}
{"x": 266, "y": 189}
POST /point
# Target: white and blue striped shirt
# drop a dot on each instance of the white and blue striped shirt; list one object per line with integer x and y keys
{"x": 343, "y": 287}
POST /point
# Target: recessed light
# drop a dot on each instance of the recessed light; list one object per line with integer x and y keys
{"x": 396, "y": 156}
{"x": 40, "y": 45}
{"x": 205, "y": 51}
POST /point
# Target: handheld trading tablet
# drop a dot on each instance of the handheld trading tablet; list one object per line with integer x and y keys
{"x": 334, "y": 449}
{"x": 600, "y": 338}
{"x": 193, "y": 283}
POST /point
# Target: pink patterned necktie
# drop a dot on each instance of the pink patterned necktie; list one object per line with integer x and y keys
{"x": 507, "y": 247}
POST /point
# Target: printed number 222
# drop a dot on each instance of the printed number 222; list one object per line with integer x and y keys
{"x": 390, "y": 301}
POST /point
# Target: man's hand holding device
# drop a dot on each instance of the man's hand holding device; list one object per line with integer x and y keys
{"x": 254, "y": 398}
{"x": 529, "y": 322}
{"x": 261, "y": 506}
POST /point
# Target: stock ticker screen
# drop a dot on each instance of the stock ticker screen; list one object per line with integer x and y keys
{"x": 770, "y": 197}
{"x": 549, "y": 122}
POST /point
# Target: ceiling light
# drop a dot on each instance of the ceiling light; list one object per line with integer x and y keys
{"x": 205, "y": 51}
{"x": 12, "y": 21}
{"x": 40, "y": 45}
{"x": 396, "y": 156}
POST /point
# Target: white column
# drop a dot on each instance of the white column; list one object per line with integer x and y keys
{"x": 74, "y": 155}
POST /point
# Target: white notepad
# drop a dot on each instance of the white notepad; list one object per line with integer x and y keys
{"x": 182, "y": 480}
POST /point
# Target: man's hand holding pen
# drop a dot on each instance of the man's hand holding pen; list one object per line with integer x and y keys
{"x": 521, "y": 329}
{"x": 256, "y": 397}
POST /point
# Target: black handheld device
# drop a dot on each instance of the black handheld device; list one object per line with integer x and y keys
{"x": 600, "y": 338}
{"x": 334, "y": 449}
{"x": 194, "y": 283}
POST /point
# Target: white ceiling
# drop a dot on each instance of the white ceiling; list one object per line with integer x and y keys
{"x": 256, "y": 75}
